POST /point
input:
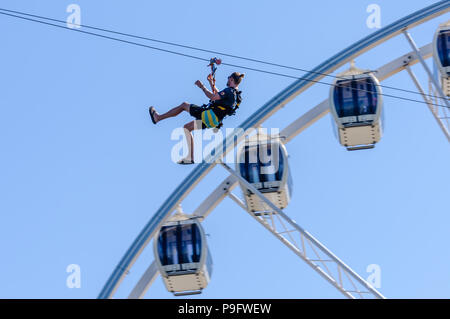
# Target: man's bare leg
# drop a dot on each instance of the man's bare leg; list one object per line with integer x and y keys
{"x": 173, "y": 112}
{"x": 188, "y": 128}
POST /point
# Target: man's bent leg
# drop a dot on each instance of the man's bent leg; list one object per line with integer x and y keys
{"x": 173, "y": 112}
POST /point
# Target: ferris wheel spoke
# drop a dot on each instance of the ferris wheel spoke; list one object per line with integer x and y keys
{"x": 145, "y": 282}
{"x": 427, "y": 69}
{"x": 321, "y": 254}
{"x": 433, "y": 107}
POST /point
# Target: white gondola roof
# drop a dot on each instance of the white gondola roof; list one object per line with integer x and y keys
{"x": 444, "y": 25}
{"x": 353, "y": 70}
{"x": 180, "y": 216}
{"x": 261, "y": 137}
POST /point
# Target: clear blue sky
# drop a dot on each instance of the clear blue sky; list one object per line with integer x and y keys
{"x": 82, "y": 168}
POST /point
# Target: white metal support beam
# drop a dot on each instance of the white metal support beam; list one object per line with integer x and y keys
{"x": 442, "y": 113}
{"x": 427, "y": 69}
{"x": 145, "y": 282}
{"x": 217, "y": 195}
{"x": 429, "y": 102}
{"x": 314, "y": 244}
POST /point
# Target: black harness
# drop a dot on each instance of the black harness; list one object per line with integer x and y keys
{"x": 229, "y": 110}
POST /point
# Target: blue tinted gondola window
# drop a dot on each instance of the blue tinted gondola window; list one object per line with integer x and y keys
{"x": 343, "y": 99}
{"x": 243, "y": 165}
{"x": 197, "y": 244}
{"x": 443, "y": 46}
{"x": 179, "y": 244}
{"x": 253, "y": 172}
{"x": 190, "y": 243}
{"x": 280, "y": 170}
{"x": 366, "y": 101}
{"x": 262, "y": 165}
{"x": 355, "y": 97}
{"x": 250, "y": 167}
{"x": 268, "y": 163}
{"x": 186, "y": 244}
{"x": 167, "y": 246}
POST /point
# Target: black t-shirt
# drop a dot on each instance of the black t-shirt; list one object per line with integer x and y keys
{"x": 227, "y": 101}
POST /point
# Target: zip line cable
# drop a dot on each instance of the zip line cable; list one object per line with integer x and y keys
{"x": 208, "y": 51}
{"x": 203, "y": 59}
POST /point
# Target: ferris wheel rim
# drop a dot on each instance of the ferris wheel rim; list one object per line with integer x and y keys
{"x": 263, "y": 113}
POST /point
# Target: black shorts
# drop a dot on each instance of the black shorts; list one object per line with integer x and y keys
{"x": 196, "y": 111}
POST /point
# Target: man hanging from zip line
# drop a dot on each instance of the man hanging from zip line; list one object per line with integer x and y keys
{"x": 221, "y": 104}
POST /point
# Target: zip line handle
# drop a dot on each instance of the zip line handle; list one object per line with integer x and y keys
{"x": 213, "y": 62}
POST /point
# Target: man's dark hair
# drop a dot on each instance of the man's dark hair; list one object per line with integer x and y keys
{"x": 237, "y": 77}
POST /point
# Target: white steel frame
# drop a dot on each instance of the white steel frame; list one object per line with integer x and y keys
{"x": 320, "y": 262}
{"x": 300, "y": 246}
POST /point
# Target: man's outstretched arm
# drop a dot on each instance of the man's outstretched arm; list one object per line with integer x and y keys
{"x": 210, "y": 95}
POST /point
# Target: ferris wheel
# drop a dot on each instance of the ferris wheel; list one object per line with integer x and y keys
{"x": 355, "y": 101}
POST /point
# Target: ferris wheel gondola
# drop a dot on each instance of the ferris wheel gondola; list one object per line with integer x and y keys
{"x": 263, "y": 162}
{"x": 182, "y": 255}
{"x": 356, "y": 106}
{"x": 441, "y": 54}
